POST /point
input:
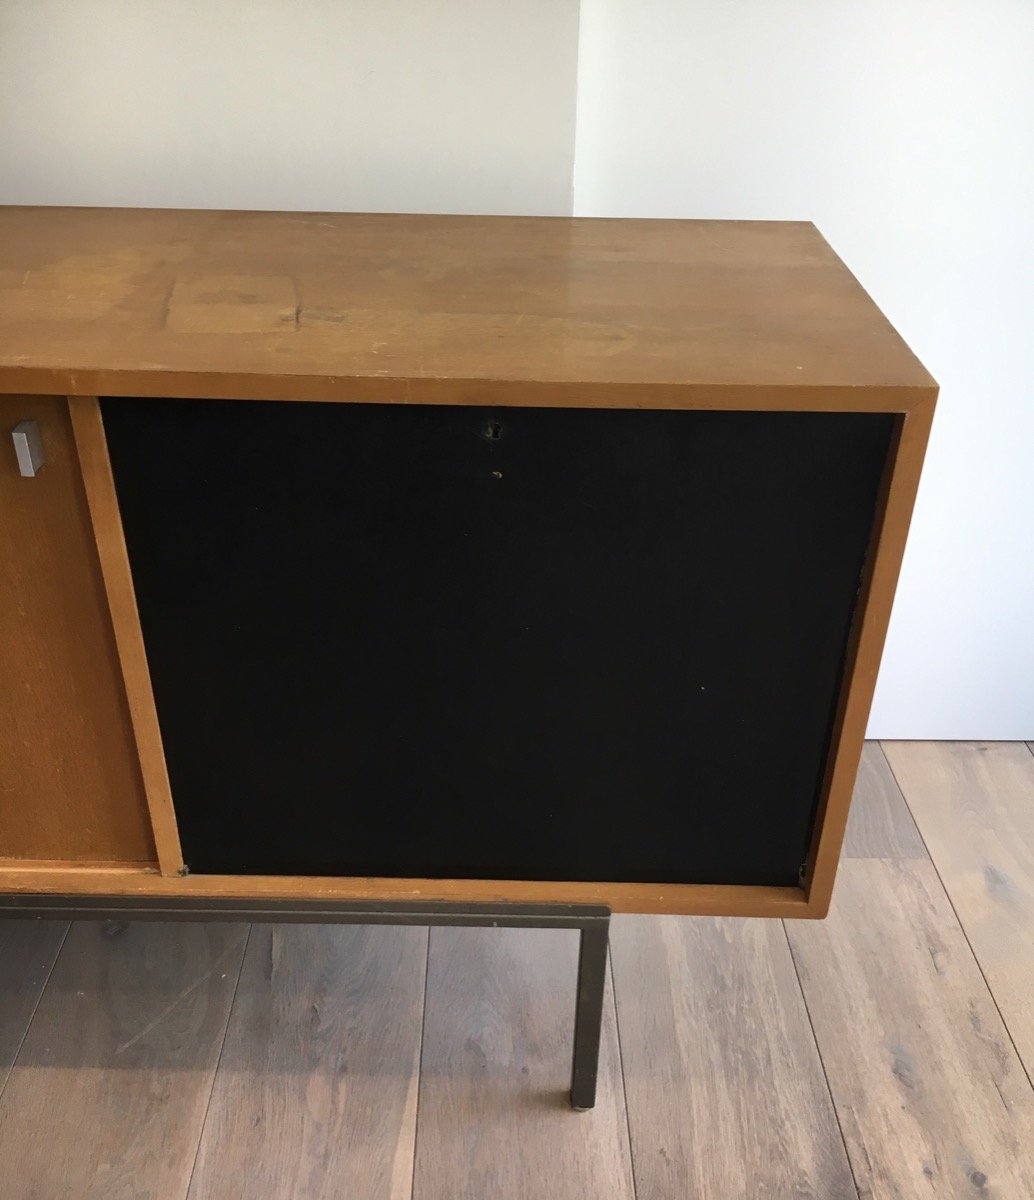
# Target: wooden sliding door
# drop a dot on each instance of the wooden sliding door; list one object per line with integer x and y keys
{"x": 70, "y": 786}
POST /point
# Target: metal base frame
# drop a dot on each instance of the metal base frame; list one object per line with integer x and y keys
{"x": 593, "y": 922}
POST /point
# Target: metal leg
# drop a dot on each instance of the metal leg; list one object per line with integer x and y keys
{"x": 588, "y": 1017}
{"x": 593, "y": 920}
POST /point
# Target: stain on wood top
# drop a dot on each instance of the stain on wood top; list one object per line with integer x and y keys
{"x": 531, "y": 310}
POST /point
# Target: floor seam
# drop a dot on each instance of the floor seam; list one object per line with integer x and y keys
{"x": 621, "y": 1067}
{"x": 822, "y": 1064}
{"x": 961, "y": 925}
{"x": 35, "y": 1008}
{"x": 218, "y": 1064}
{"x": 420, "y": 1062}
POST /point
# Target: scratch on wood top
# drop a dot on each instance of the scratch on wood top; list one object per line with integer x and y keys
{"x": 233, "y": 304}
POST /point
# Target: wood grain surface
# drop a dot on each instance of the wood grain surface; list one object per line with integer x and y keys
{"x": 118, "y": 1063}
{"x": 864, "y": 651}
{"x": 974, "y": 803}
{"x": 27, "y": 953}
{"x": 725, "y": 1095}
{"x": 460, "y": 310}
{"x": 931, "y": 1095}
{"x": 447, "y": 309}
{"x": 494, "y": 1114}
{"x": 722, "y": 899}
{"x": 880, "y": 825}
{"x": 710, "y": 1011}
{"x": 106, "y": 531}
{"x": 316, "y": 1090}
{"x": 69, "y": 778}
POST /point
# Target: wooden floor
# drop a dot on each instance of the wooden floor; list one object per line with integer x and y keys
{"x": 886, "y": 1052}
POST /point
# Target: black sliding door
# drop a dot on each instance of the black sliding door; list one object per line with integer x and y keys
{"x": 505, "y": 643}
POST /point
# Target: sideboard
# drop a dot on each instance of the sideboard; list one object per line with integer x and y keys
{"x": 439, "y": 569}
{"x": 441, "y": 559}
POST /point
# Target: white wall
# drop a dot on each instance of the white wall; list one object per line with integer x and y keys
{"x": 375, "y": 105}
{"x": 905, "y": 130}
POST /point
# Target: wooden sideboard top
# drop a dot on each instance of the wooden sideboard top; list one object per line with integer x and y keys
{"x": 450, "y": 309}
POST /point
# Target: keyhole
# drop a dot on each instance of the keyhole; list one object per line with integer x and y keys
{"x": 494, "y": 431}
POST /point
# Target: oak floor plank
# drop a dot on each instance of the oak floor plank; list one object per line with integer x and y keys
{"x": 931, "y": 1095}
{"x": 494, "y": 1118}
{"x": 27, "y": 953}
{"x": 726, "y": 1095}
{"x": 880, "y": 825}
{"x": 108, "y": 1093}
{"x": 315, "y": 1095}
{"x": 974, "y": 803}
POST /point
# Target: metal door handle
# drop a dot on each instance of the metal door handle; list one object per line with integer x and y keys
{"x": 28, "y": 447}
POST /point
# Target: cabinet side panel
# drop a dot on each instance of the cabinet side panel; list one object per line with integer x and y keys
{"x": 70, "y": 785}
{"x": 865, "y": 646}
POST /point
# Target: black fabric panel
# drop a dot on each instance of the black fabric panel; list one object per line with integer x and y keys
{"x": 508, "y": 643}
